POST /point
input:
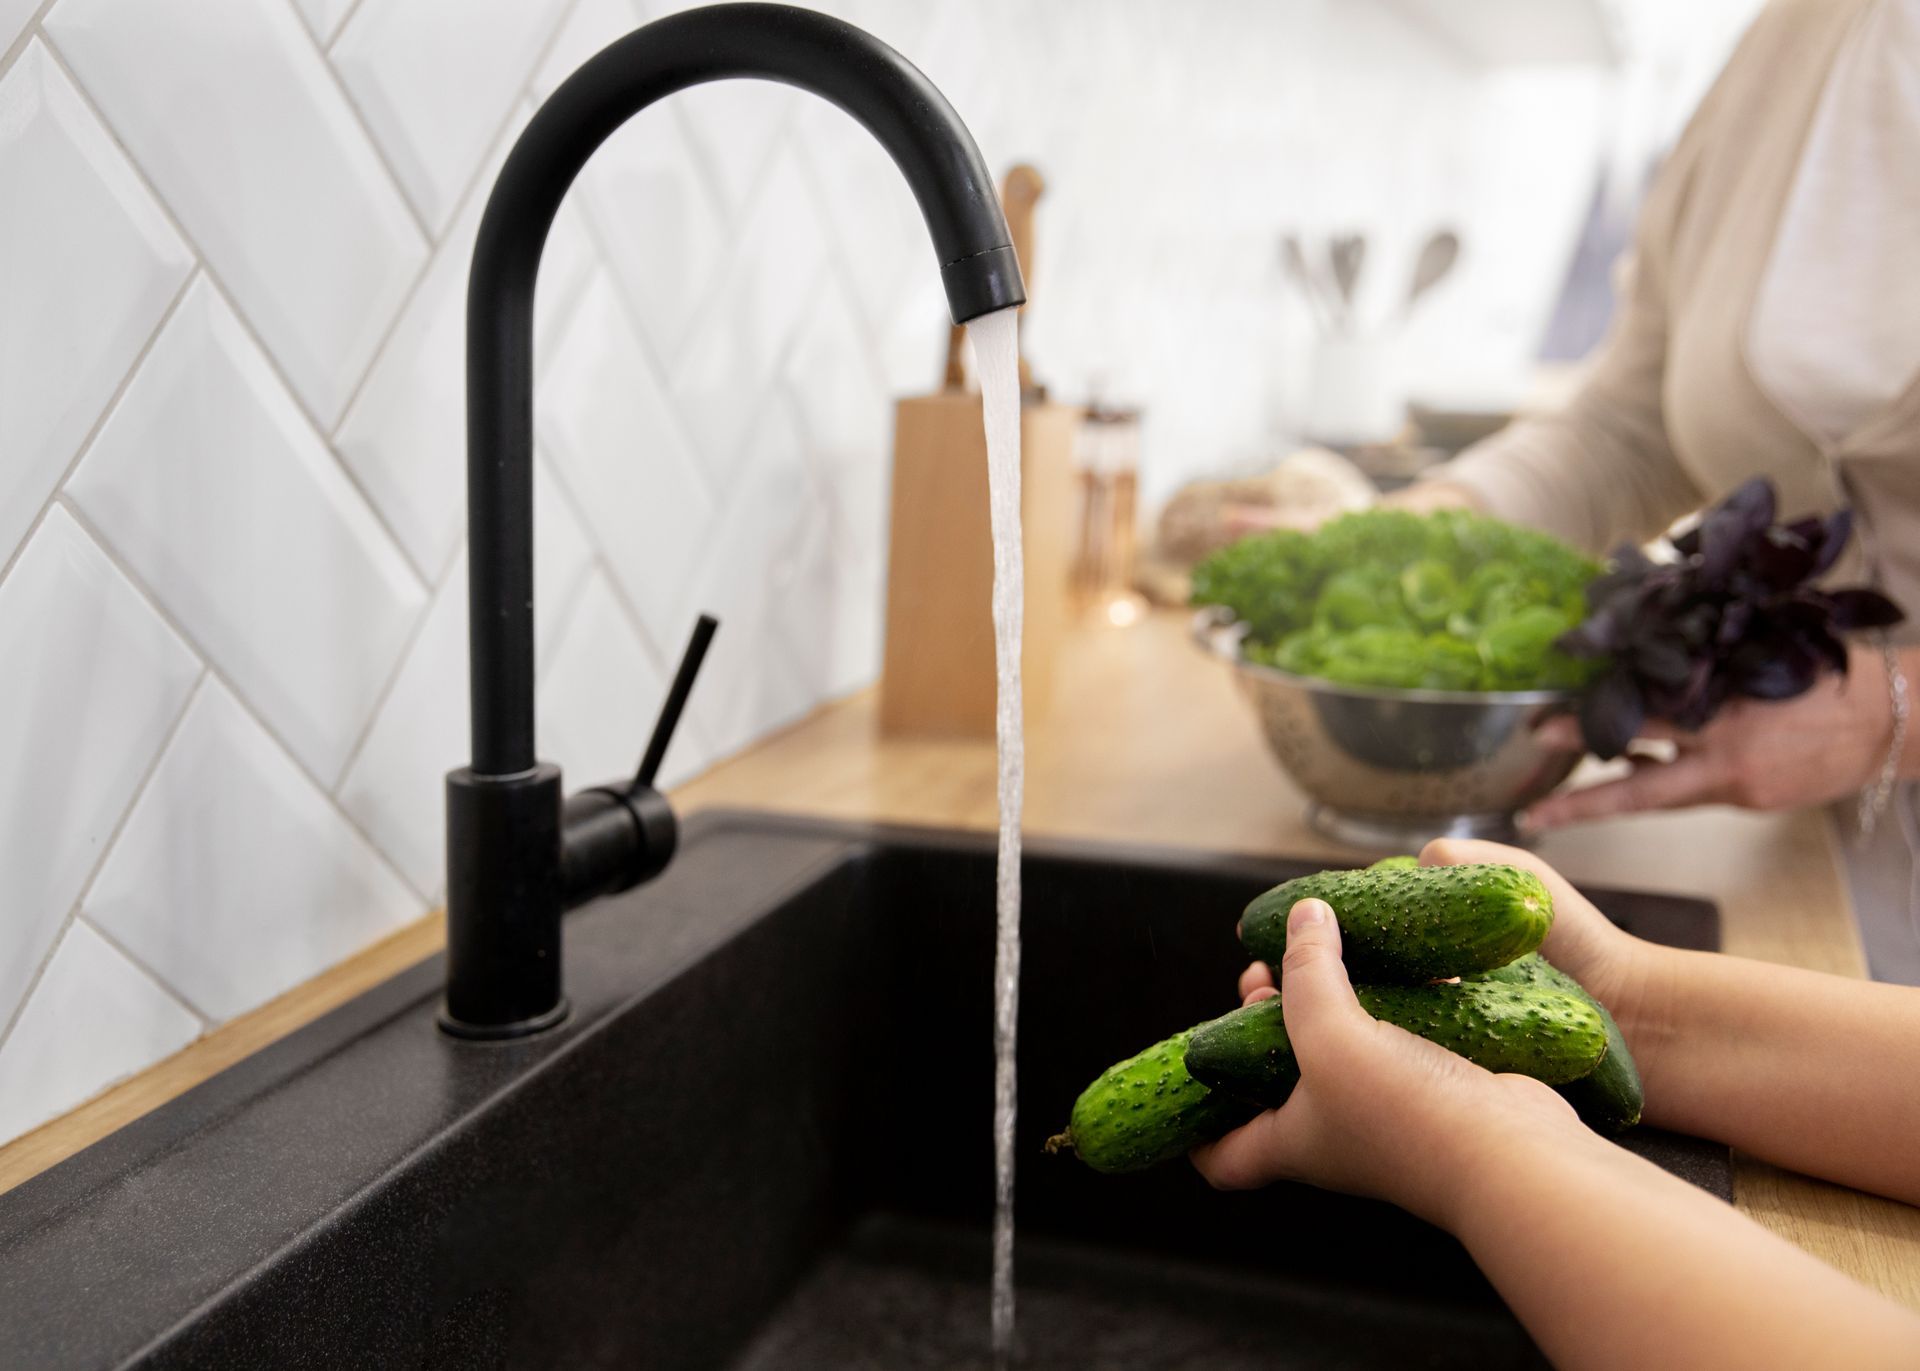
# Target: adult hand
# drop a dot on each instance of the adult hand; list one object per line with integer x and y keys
{"x": 1423, "y": 497}
{"x": 1757, "y": 754}
{"x": 1378, "y": 1111}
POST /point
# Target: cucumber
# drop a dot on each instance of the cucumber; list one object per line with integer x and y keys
{"x": 1610, "y": 1099}
{"x": 1400, "y": 863}
{"x": 1408, "y": 926}
{"x": 1147, "y": 1109}
{"x": 1548, "y": 1034}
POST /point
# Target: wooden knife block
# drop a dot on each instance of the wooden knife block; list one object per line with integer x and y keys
{"x": 938, "y": 677}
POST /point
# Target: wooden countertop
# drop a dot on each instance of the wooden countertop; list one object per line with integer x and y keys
{"x": 1145, "y": 740}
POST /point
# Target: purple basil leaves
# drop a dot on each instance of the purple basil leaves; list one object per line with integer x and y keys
{"x": 1734, "y": 614}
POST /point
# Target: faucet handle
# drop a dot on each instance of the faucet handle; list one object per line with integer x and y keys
{"x": 676, "y": 701}
{"x": 613, "y": 837}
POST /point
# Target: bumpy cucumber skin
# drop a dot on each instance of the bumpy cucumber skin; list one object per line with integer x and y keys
{"x": 1408, "y": 926}
{"x": 1535, "y": 1031}
{"x": 1147, "y": 1110}
{"x": 1610, "y": 1099}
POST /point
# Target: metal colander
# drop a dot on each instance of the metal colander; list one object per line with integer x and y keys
{"x": 1388, "y": 769}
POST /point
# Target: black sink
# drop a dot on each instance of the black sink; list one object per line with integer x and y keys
{"x": 763, "y": 1140}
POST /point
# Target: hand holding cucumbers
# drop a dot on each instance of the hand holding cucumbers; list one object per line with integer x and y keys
{"x": 1407, "y": 932}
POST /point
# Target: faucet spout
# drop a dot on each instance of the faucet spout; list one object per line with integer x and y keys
{"x": 510, "y": 872}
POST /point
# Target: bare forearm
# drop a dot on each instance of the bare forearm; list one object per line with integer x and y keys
{"x": 1813, "y": 1072}
{"x": 1612, "y": 1263}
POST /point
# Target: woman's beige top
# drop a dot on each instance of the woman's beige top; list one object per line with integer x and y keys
{"x": 1672, "y": 415}
{"x": 1835, "y": 335}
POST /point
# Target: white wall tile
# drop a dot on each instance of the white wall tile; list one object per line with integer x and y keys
{"x": 828, "y": 605}
{"x": 435, "y": 79}
{"x": 599, "y": 697}
{"x": 91, "y": 680}
{"x": 212, "y": 486}
{"x": 567, "y": 263}
{"x": 234, "y": 878}
{"x": 588, "y": 27}
{"x": 734, "y": 125}
{"x": 748, "y": 687}
{"x": 777, "y": 266}
{"x": 846, "y": 417}
{"x": 875, "y": 224}
{"x": 912, "y": 344}
{"x": 405, "y": 436}
{"x": 562, "y": 552}
{"x": 618, "y": 446}
{"x": 644, "y": 193}
{"x": 88, "y": 265}
{"x": 324, "y": 16}
{"x": 13, "y": 18}
{"x": 93, "y": 1019}
{"x": 394, "y": 787}
{"x": 232, "y": 113}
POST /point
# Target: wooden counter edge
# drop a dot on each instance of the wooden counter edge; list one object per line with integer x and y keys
{"x": 119, "y": 1105}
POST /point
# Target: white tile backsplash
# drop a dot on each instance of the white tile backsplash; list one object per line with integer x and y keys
{"x": 91, "y": 681}
{"x": 394, "y": 788}
{"x": 230, "y": 110}
{"x": 212, "y": 486}
{"x": 236, "y": 877}
{"x": 618, "y": 445}
{"x": 94, "y": 1018}
{"x": 434, "y": 79}
{"x": 599, "y": 694}
{"x": 779, "y": 263}
{"x": 88, "y": 265}
{"x": 644, "y": 192}
{"x": 748, "y": 686}
{"x": 324, "y": 16}
{"x": 871, "y": 214}
{"x": 846, "y": 417}
{"x": 733, "y": 292}
{"x": 13, "y": 18}
{"x": 734, "y": 125}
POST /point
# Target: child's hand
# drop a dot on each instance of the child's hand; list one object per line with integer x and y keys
{"x": 1378, "y": 1111}
{"x": 1625, "y": 973}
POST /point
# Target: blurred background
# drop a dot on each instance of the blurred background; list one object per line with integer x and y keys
{"x": 233, "y": 239}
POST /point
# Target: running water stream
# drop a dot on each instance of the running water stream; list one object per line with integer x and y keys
{"x": 996, "y": 358}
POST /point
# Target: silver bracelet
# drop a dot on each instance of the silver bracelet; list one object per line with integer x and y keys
{"x": 1874, "y": 801}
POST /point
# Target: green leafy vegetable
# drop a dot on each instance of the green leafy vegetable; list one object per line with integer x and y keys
{"x": 1445, "y": 601}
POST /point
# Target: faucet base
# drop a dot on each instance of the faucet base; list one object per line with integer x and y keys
{"x": 504, "y": 899}
{"x": 498, "y": 1032}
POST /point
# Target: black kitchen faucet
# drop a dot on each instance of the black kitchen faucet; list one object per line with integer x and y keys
{"x": 519, "y": 851}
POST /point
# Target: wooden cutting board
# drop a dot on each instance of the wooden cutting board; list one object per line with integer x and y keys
{"x": 938, "y": 676}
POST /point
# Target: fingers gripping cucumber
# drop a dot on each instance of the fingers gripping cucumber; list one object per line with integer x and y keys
{"x": 1610, "y": 1098}
{"x": 1148, "y": 1109}
{"x": 1548, "y": 1034}
{"x": 1407, "y": 926}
